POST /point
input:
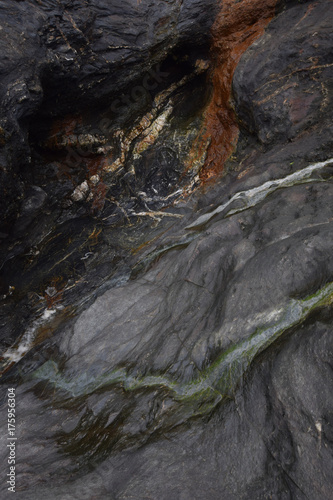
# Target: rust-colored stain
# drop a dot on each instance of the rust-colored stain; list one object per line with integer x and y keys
{"x": 62, "y": 127}
{"x": 237, "y": 26}
{"x": 93, "y": 237}
{"x": 47, "y": 331}
{"x": 300, "y": 107}
{"x": 64, "y": 138}
{"x": 95, "y": 164}
{"x": 56, "y": 286}
{"x": 308, "y": 11}
{"x": 99, "y": 194}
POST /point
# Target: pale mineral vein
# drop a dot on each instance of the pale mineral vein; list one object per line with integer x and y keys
{"x": 255, "y": 195}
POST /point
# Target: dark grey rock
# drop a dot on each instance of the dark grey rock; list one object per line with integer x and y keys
{"x": 200, "y": 365}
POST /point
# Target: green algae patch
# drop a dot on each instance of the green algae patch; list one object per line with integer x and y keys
{"x": 225, "y": 373}
{"x": 217, "y": 382}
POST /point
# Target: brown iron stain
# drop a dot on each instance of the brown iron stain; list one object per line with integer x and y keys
{"x": 95, "y": 164}
{"x": 99, "y": 193}
{"x": 63, "y": 139}
{"x": 47, "y": 331}
{"x": 93, "y": 237}
{"x": 62, "y": 127}
{"x": 308, "y": 11}
{"x": 237, "y": 26}
{"x": 57, "y": 285}
{"x": 300, "y": 106}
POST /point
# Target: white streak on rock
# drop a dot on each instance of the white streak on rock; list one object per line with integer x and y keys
{"x": 255, "y": 195}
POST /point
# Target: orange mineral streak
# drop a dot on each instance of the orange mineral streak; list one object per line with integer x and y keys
{"x": 63, "y": 127}
{"x": 237, "y": 26}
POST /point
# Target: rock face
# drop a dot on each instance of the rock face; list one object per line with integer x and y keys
{"x": 87, "y": 90}
{"x": 168, "y": 337}
{"x": 68, "y": 57}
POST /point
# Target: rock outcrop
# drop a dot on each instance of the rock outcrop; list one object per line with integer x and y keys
{"x": 167, "y": 270}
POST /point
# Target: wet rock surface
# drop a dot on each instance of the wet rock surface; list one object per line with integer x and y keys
{"x": 169, "y": 338}
{"x": 66, "y": 57}
{"x": 104, "y": 134}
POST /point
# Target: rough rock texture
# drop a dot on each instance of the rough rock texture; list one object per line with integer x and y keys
{"x": 87, "y": 88}
{"x": 68, "y": 57}
{"x": 182, "y": 349}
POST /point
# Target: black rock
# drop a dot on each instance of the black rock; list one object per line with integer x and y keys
{"x": 176, "y": 337}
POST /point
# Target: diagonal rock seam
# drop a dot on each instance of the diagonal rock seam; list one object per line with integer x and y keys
{"x": 218, "y": 381}
{"x": 255, "y": 195}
